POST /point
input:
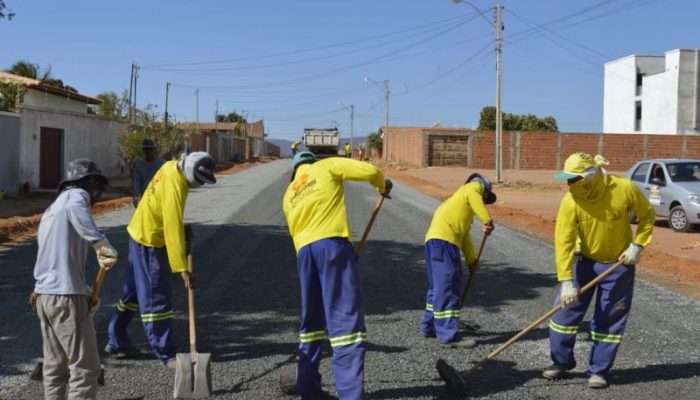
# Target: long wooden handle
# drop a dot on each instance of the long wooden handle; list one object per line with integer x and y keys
{"x": 98, "y": 284}
{"x": 377, "y": 206}
{"x": 190, "y": 303}
{"x": 541, "y": 319}
{"x": 471, "y": 274}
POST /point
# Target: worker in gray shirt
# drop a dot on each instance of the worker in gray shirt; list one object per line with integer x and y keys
{"x": 61, "y": 296}
{"x": 145, "y": 169}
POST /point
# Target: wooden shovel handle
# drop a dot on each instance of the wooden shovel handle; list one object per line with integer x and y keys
{"x": 98, "y": 284}
{"x": 377, "y": 206}
{"x": 190, "y": 294}
{"x": 541, "y": 319}
{"x": 471, "y": 274}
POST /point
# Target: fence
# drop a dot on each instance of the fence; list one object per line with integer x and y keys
{"x": 529, "y": 150}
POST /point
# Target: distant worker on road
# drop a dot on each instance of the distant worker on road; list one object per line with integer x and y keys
{"x": 348, "y": 150}
{"x": 295, "y": 146}
{"x": 157, "y": 248}
{"x": 331, "y": 297}
{"x": 61, "y": 297}
{"x": 448, "y": 233}
{"x": 594, "y": 217}
{"x": 145, "y": 169}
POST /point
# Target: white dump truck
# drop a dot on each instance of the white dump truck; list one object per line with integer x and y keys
{"x": 322, "y": 142}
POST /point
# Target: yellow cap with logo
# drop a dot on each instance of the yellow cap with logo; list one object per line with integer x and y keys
{"x": 580, "y": 164}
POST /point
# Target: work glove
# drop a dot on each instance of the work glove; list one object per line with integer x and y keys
{"x": 632, "y": 254}
{"x": 488, "y": 228}
{"x": 569, "y": 293}
{"x": 135, "y": 201}
{"x": 388, "y": 184}
{"x": 106, "y": 254}
{"x": 94, "y": 307}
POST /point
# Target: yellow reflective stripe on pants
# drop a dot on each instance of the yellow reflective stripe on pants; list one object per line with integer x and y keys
{"x": 315, "y": 336}
{"x": 156, "y": 316}
{"x": 606, "y": 337}
{"x": 121, "y": 306}
{"x": 446, "y": 314}
{"x": 429, "y": 307}
{"x": 346, "y": 340}
{"x": 563, "y": 329}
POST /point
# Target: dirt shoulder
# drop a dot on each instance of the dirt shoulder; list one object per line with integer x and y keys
{"x": 20, "y": 216}
{"x": 528, "y": 202}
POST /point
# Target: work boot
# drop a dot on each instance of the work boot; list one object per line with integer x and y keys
{"x": 129, "y": 352}
{"x": 461, "y": 344}
{"x": 428, "y": 335}
{"x": 597, "y": 382}
{"x": 556, "y": 371}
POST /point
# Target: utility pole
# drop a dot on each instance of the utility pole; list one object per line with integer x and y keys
{"x": 499, "y": 111}
{"x": 165, "y": 116}
{"x": 136, "y": 79}
{"x": 386, "y": 106}
{"x": 131, "y": 93}
{"x": 352, "y": 127}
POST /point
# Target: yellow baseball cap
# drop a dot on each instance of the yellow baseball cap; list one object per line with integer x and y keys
{"x": 578, "y": 164}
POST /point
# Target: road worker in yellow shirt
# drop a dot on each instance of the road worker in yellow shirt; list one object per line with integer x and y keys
{"x": 331, "y": 298}
{"x": 157, "y": 249}
{"x": 448, "y": 233}
{"x": 594, "y": 218}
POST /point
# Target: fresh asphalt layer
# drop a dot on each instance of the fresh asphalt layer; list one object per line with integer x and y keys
{"x": 248, "y": 308}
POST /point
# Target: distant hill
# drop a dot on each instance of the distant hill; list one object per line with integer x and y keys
{"x": 286, "y": 151}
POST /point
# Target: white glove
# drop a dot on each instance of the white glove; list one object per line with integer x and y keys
{"x": 632, "y": 254}
{"x": 569, "y": 293}
{"x": 106, "y": 254}
{"x": 95, "y": 307}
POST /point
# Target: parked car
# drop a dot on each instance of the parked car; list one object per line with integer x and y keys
{"x": 673, "y": 188}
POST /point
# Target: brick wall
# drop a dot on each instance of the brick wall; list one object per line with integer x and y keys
{"x": 531, "y": 150}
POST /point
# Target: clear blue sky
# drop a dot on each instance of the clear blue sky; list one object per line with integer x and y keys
{"x": 291, "y": 61}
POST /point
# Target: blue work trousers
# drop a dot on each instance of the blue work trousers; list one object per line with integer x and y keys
{"x": 331, "y": 307}
{"x": 146, "y": 289}
{"x": 613, "y": 302}
{"x": 444, "y": 266}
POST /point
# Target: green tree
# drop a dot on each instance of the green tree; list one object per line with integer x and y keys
{"x": 30, "y": 70}
{"x": 112, "y": 105}
{"x": 5, "y": 14}
{"x": 11, "y": 96}
{"x": 517, "y": 122}
{"x": 168, "y": 144}
{"x": 374, "y": 141}
{"x": 231, "y": 117}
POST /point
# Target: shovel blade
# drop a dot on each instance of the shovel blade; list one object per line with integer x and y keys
{"x": 455, "y": 382}
{"x": 193, "y": 379}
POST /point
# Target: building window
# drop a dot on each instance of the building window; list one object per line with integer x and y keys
{"x": 637, "y": 116}
{"x": 638, "y": 90}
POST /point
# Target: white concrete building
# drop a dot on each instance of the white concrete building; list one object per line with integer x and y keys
{"x": 653, "y": 94}
{"x": 50, "y": 127}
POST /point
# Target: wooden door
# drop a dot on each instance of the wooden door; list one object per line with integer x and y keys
{"x": 50, "y": 156}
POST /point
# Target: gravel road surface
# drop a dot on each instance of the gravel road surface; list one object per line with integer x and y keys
{"x": 248, "y": 308}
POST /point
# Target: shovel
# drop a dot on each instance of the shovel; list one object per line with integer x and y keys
{"x": 457, "y": 382}
{"x": 471, "y": 274}
{"x": 193, "y": 369}
{"x": 377, "y": 206}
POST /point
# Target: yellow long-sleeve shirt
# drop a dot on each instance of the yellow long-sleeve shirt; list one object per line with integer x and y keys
{"x": 158, "y": 220}
{"x": 602, "y": 226}
{"x": 453, "y": 218}
{"x": 314, "y": 203}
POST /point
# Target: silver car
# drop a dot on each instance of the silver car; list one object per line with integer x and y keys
{"x": 673, "y": 188}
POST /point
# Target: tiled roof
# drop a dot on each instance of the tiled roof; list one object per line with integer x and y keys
{"x": 7, "y": 77}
